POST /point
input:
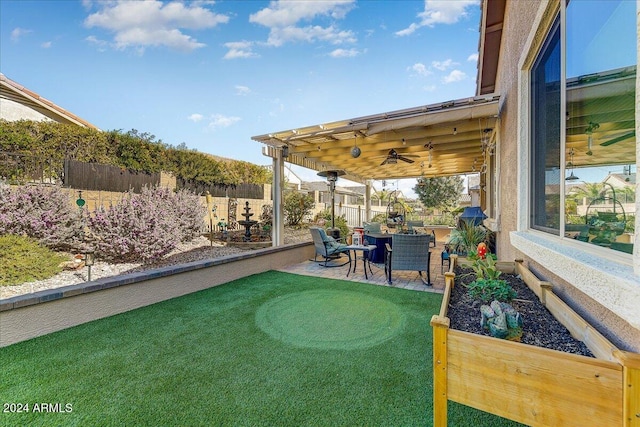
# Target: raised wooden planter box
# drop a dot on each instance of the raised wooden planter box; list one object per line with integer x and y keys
{"x": 532, "y": 385}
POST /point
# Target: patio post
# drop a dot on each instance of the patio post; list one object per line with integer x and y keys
{"x": 277, "y": 237}
{"x": 367, "y": 200}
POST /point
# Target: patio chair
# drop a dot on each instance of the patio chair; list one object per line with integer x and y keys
{"x": 372, "y": 227}
{"x": 408, "y": 252}
{"x": 449, "y": 249}
{"x": 329, "y": 248}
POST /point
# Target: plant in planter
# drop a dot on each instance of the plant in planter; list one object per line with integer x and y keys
{"x": 488, "y": 290}
{"x": 487, "y": 286}
{"x": 502, "y": 320}
{"x": 468, "y": 236}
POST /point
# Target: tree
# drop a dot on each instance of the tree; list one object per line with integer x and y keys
{"x": 296, "y": 206}
{"x": 440, "y": 192}
{"x": 382, "y": 196}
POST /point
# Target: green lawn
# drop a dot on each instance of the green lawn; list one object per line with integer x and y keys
{"x": 272, "y": 349}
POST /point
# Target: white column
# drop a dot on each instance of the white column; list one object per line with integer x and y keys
{"x": 277, "y": 236}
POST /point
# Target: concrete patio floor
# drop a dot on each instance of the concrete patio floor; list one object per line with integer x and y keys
{"x": 401, "y": 279}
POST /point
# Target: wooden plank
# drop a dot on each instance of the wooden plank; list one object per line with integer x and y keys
{"x": 506, "y": 266}
{"x": 630, "y": 387}
{"x": 532, "y": 385}
{"x": 579, "y": 328}
{"x": 440, "y": 327}
{"x": 444, "y": 305}
{"x": 530, "y": 279}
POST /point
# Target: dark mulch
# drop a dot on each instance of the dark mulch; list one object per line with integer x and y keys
{"x": 540, "y": 327}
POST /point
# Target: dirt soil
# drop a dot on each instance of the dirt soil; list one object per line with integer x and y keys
{"x": 540, "y": 327}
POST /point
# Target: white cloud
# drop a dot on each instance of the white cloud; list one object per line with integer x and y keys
{"x": 439, "y": 12}
{"x": 420, "y": 69}
{"x": 286, "y": 13}
{"x": 242, "y": 90}
{"x": 345, "y": 53}
{"x": 17, "y": 33}
{"x": 454, "y": 76}
{"x": 443, "y": 65}
{"x": 243, "y": 49}
{"x": 281, "y": 35}
{"x": 217, "y": 121}
{"x": 195, "y": 117}
{"x": 473, "y": 57}
{"x": 283, "y": 19}
{"x": 139, "y": 24}
{"x": 100, "y": 44}
{"x": 46, "y": 45}
{"x": 429, "y": 88}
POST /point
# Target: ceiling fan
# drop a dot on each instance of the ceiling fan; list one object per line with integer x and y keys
{"x": 393, "y": 156}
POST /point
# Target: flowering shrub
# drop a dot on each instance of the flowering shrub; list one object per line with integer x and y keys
{"x": 146, "y": 226}
{"x": 43, "y": 213}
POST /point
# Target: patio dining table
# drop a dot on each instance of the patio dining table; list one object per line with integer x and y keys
{"x": 379, "y": 240}
{"x": 367, "y": 251}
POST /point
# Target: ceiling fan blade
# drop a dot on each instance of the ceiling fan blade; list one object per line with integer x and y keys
{"x": 619, "y": 138}
{"x": 384, "y": 162}
{"x": 406, "y": 159}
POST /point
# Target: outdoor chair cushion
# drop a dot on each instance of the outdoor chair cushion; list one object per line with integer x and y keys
{"x": 326, "y": 246}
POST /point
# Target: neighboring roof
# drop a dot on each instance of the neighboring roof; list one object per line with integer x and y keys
{"x": 12, "y": 91}
{"x": 453, "y": 129}
{"x": 473, "y": 182}
{"x": 624, "y": 179}
{"x": 322, "y": 187}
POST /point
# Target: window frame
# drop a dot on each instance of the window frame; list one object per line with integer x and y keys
{"x": 554, "y": 17}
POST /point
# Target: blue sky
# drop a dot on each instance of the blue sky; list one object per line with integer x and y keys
{"x": 214, "y": 74}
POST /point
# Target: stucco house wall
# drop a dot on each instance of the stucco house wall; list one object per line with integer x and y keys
{"x": 601, "y": 290}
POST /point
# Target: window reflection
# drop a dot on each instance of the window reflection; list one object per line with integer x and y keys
{"x": 600, "y": 147}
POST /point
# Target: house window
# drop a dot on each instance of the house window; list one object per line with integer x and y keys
{"x": 583, "y": 140}
{"x": 545, "y": 136}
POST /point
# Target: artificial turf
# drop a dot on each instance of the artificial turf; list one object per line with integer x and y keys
{"x": 273, "y": 349}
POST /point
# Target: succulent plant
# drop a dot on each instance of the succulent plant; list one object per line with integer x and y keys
{"x": 502, "y": 320}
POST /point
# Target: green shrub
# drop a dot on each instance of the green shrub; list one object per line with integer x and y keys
{"x": 23, "y": 259}
{"x": 491, "y": 289}
{"x": 296, "y": 206}
{"x": 468, "y": 236}
{"x": 340, "y": 221}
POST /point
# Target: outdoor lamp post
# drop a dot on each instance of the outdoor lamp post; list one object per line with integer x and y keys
{"x": 89, "y": 258}
{"x": 332, "y": 177}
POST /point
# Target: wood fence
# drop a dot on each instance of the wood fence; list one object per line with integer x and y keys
{"x": 99, "y": 177}
{"x": 240, "y": 191}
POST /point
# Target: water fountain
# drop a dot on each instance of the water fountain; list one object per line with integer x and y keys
{"x": 247, "y": 223}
